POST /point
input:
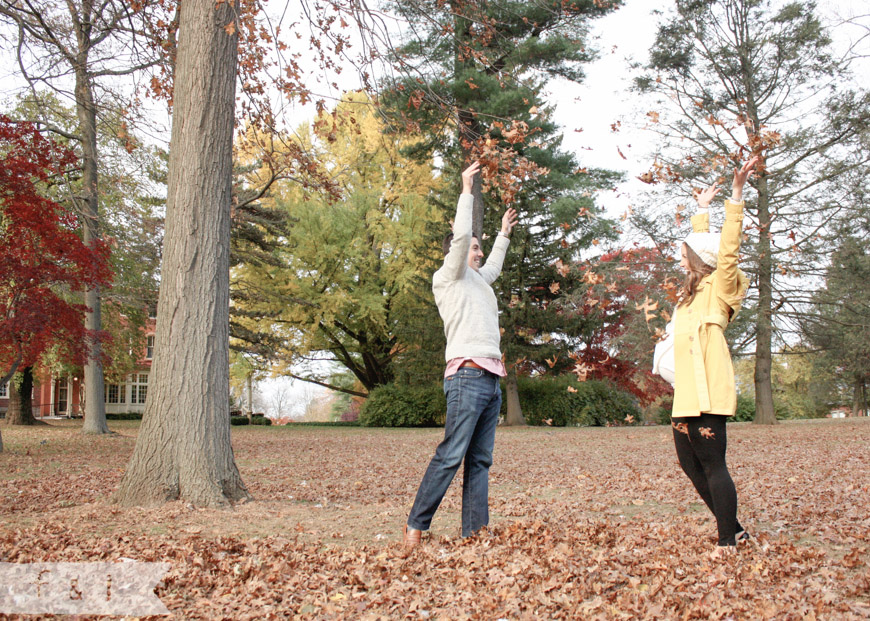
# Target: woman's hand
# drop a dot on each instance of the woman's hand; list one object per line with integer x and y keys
{"x": 468, "y": 177}
{"x": 740, "y": 176}
{"x": 705, "y": 197}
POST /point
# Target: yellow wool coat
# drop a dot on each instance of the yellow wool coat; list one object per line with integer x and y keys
{"x": 704, "y": 373}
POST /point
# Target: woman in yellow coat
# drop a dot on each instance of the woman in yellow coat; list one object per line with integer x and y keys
{"x": 704, "y": 388}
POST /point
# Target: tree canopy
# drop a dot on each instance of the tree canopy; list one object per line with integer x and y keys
{"x": 348, "y": 281}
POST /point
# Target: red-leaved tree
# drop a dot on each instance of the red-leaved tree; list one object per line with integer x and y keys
{"x": 43, "y": 262}
{"x": 631, "y": 294}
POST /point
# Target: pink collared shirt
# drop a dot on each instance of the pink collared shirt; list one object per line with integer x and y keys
{"x": 493, "y": 365}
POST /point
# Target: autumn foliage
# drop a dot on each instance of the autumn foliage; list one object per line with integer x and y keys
{"x": 628, "y": 294}
{"x": 43, "y": 262}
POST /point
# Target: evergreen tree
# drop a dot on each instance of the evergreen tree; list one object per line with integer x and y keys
{"x": 841, "y": 325}
{"x": 475, "y": 86}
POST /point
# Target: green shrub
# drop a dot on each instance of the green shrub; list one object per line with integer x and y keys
{"x": 594, "y": 403}
{"x": 239, "y": 420}
{"x": 746, "y": 409}
{"x": 395, "y": 405}
{"x": 125, "y": 416}
{"x": 261, "y": 420}
{"x": 334, "y": 423}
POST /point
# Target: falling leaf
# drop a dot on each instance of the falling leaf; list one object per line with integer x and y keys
{"x": 554, "y": 287}
{"x": 230, "y": 28}
{"x": 648, "y": 307}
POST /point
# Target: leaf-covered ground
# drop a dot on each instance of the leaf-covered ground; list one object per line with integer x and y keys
{"x": 586, "y": 523}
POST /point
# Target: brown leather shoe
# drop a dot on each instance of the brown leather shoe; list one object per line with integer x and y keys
{"x": 411, "y": 537}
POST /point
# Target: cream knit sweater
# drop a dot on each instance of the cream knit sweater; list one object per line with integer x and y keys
{"x": 465, "y": 299}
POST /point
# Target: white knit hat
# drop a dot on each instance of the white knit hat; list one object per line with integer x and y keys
{"x": 705, "y": 245}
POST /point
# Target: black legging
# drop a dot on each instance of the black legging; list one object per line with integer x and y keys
{"x": 701, "y": 443}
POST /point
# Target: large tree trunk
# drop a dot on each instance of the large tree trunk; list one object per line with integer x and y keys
{"x": 764, "y": 410}
{"x": 20, "y": 411}
{"x": 95, "y": 407}
{"x": 469, "y": 127}
{"x": 183, "y": 450}
{"x": 514, "y": 416}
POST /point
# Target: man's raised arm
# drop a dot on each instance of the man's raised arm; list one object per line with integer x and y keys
{"x": 456, "y": 261}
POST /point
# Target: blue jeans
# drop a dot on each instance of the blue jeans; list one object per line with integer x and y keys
{"x": 473, "y": 403}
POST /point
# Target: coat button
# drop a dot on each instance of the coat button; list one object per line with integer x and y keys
{"x": 691, "y": 351}
{"x": 691, "y": 338}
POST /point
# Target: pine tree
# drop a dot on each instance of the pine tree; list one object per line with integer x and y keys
{"x": 477, "y": 73}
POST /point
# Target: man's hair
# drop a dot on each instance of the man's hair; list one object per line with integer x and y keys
{"x": 445, "y": 245}
{"x": 448, "y": 239}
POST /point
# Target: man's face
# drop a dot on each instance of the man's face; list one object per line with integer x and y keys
{"x": 475, "y": 254}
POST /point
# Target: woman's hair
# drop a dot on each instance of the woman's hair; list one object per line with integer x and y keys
{"x": 696, "y": 272}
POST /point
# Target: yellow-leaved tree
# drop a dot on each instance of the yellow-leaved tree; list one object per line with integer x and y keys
{"x": 346, "y": 286}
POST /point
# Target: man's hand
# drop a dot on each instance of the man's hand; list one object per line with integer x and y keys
{"x": 705, "y": 197}
{"x": 508, "y": 221}
{"x": 468, "y": 177}
{"x": 740, "y": 176}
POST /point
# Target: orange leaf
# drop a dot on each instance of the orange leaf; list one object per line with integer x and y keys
{"x": 706, "y": 432}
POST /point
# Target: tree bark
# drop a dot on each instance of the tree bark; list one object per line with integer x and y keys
{"x": 86, "y": 111}
{"x": 20, "y": 389}
{"x": 250, "y": 382}
{"x": 514, "y": 416}
{"x": 859, "y": 397}
{"x": 469, "y": 127}
{"x": 764, "y": 410}
{"x": 183, "y": 450}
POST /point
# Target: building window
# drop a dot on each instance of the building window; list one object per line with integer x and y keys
{"x": 140, "y": 387}
{"x": 115, "y": 393}
{"x": 149, "y": 347}
{"x": 3, "y": 392}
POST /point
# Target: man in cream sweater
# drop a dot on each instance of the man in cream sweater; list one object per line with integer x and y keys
{"x": 468, "y": 307}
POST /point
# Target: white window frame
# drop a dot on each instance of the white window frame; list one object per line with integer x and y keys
{"x": 120, "y": 396}
{"x": 139, "y": 393}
